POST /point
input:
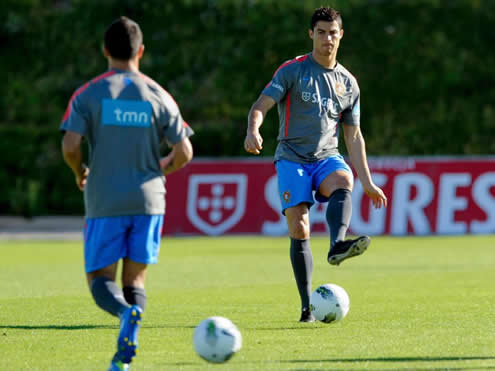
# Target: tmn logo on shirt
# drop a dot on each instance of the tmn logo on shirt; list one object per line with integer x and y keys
{"x": 117, "y": 112}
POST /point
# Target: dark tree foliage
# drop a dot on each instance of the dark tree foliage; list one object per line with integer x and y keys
{"x": 425, "y": 68}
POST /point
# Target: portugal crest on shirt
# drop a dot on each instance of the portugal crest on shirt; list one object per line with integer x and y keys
{"x": 306, "y": 96}
{"x": 340, "y": 89}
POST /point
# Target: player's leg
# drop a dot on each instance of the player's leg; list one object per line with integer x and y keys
{"x": 300, "y": 255}
{"x": 133, "y": 279}
{"x": 336, "y": 188}
{"x": 106, "y": 293}
{"x": 133, "y": 276}
{"x": 143, "y": 246}
{"x": 104, "y": 244}
{"x": 296, "y": 197}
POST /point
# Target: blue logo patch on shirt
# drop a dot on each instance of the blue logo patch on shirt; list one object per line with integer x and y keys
{"x": 356, "y": 111}
{"x": 129, "y": 113}
{"x": 127, "y": 81}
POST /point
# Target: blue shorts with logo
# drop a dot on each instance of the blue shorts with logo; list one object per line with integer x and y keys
{"x": 109, "y": 239}
{"x": 296, "y": 181}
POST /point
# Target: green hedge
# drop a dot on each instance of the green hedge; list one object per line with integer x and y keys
{"x": 34, "y": 180}
{"x": 425, "y": 68}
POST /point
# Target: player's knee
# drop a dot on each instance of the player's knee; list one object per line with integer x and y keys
{"x": 107, "y": 273}
{"x": 340, "y": 183}
{"x": 299, "y": 229}
{"x": 345, "y": 182}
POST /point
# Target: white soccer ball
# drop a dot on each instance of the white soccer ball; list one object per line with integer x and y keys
{"x": 217, "y": 339}
{"x": 329, "y": 303}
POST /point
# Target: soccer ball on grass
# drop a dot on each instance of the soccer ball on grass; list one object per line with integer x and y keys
{"x": 329, "y": 303}
{"x": 217, "y": 339}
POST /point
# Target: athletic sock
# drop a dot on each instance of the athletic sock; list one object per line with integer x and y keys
{"x": 108, "y": 296}
{"x": 302, "y": 265}
{"x": 338, "y": 214}
{"x": 135, "y": 296}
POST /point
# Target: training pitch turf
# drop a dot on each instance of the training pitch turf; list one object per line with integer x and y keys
{"x": 416, "y": 303}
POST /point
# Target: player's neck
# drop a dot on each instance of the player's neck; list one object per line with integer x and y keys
{"x": 327, "y": 61}
{"x": 129, "y": 65}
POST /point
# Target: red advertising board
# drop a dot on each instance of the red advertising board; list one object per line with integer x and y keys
{"x": 425, "y": 196}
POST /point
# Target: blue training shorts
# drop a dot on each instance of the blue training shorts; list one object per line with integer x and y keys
{"x": 109, "y": 239}
{"x": 296, "y": 181}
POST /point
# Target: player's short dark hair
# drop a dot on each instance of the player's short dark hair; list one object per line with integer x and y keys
{"x": 123, "y": 38}
{"x": 325, "y": 14}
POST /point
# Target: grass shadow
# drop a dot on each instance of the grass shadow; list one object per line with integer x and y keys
{"x": 80, "y": 327}
{"x": 481, "y": 368}
{"x": 395, "y": 359}
{"x": 302, "y": 327}
{"x": 376, "y": 359}
{"x": 57, "y": 327}
{"x": 401, "y": 360}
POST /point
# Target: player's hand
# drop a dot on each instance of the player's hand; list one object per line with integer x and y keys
{"x": 166, "y": 162}
{"x": 253, "y": 143}
{"x": 378, "y": 198}
{"x": 82, "y": 177}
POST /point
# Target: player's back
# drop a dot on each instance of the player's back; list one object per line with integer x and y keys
{"x": 125, "y": 115}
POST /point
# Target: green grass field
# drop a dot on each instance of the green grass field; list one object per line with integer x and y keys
{"x": 416, "y": 303}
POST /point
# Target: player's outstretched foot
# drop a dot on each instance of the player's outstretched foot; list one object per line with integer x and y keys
{"x": 127, "y": 343}
{"x": 118, "y": 365}
{"x": 307, "y": 316}
{"x": 343, "y": 250}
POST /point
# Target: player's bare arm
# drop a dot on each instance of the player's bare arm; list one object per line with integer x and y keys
{"x": 254, "y": 142}
{"x": 357, "y": 153}
{"x": 71, "y": 149}
{"x": 178, "y": 157}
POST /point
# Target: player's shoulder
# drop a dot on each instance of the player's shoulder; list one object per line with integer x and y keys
{"x": 88, "y": 86}
{"x": 165, "y": 97}
{"x": 95, "y": 82}
{"x": 293, "y": 64}
{"x": 346, "y": 74}
{"x": 155, "y": 86}
{"x": 152, "y": 84}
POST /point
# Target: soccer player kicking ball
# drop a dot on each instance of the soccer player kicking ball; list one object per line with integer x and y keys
{"x": 315, "y": 94}
{"x": 124, "y": 116}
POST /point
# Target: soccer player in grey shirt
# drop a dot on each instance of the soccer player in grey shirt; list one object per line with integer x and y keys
{"x": 124, "y": 116}
{"x": 314, "y": 95}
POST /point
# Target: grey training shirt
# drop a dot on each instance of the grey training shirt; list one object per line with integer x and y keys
{"x": 124, "y": 116}
{"x": 312, "y": 101}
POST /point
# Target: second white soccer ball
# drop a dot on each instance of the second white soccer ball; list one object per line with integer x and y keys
{"x": 329, "y": 303}
{"x": 217, "y": 339}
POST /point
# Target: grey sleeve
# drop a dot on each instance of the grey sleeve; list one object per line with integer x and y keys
{"x": 175, "y": 128}
{"x": 352, "y": 114}
{"x": 75, "y": 117}
{"x": 280, "y": 84}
